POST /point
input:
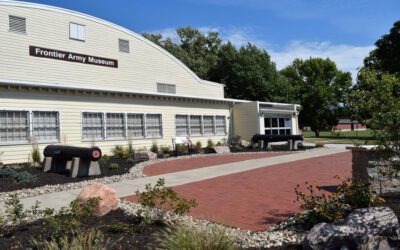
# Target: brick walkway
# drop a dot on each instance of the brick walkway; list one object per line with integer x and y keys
{"x": 201, "y": 162}
{"x": 257, "y": 198}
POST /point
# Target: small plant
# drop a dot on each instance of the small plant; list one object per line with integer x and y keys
{"x": 219, "y": 144}
{"x": 119, "y": 151}
{"x": 7, "y": 172}
{"x": 36, "y": 157}
{"x": 154, "y": 148}
{"x": 90, "y": 240}
{"x": 114, "y": 166}
{"x": 198, "y": 145}
{"x": 189, "y": 237}
{"x": 14, "y": 209}
{"x": 319, "y": 145}
{"x": 130, "y": 151}
{"x": 164, "y": 198}
{"x": 165, "y": 149}
{"x": 119, "y": 228}
{"x": 106, "y": 157}
{"x": 24, "y": 177}
{"x": 1, "y": 163}
{"x": 130, "y": 161}
{"x": 334, "y": 207}
{"x": 210, "y": 143}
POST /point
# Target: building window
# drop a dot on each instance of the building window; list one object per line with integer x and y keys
{"x": 278, "y": 125}
{"x": 208, "y": 124}
{"x": 135, "y": 124}
{"x": 115, "y": 124}
{"x": 92, "y": 126}
{"x": 14, "y": 126}
{"x": 17, "y": 24}
{"x": 153, "y": 126}
{"x": 123, "y": 45}
{"x": 77, "y": 31}
{"x": 181, "y": 125}
{"x": 195, "y": 125}
{"x": 166, "y": 88}
{"x": 220, "y": 125}
{"x": 45, "y": 126}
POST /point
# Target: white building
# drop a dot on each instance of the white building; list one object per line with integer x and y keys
{"x": 70, "y": 78}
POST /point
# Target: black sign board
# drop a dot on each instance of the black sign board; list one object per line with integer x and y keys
{"x": 72, "y": 57}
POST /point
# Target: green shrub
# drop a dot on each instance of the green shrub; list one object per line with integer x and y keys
{"x": 164, "y": 198}
{"x": 319, "y": 145}
{"x": 90, "y": 240}
{"x": 219, "y": 143}
{"x": 181, "y": 149}
{"x": 336, "y": 206}
{"x": 14, "y": 209}
{"x": 210, "y": 143}
{"x": 119, "y": 228}
{"x": 198, "y": 145}
{"x": 114, "y": 166}
{"x": 119, "y": 152}
{"x": 24, "y": 177}
{"x": 165, "y": 149}
{"x": 36, "y": 157}
{"x": 154, "y": 148}
{"x": 130, "y": 151}
{"x": 130, "y": 161}
{"x": 189, "y": 237}
{"x": 106, "y": 157}
{"x": 7, "y": 172}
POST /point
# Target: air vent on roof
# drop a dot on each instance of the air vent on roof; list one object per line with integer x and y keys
{"x": 17, "y": 24}
{"x": 124, "y": 45}
{"x": 166, "y": 88}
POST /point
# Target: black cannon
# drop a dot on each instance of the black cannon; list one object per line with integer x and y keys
{"x": 77, "y": 161}
{"x": 265, "y": 139}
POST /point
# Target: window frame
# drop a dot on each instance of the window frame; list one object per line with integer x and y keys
{"x": 143, "y": 126}
{"x": 15, "y": 32}
{"x": 215, "y": 125}
{"x": 167, "y": 86}
{"x": 102, "y": 138}
{"x": 58, "y": 126}
{"x": 200, "y": 126}
{"x": 187, "y": 125}
{"x": 107, "y": 125}
{"x": 77, "y": 38}
{"x": 161, "y": 126}
{"x": 30, "y": 126}
{"x": 276, "y": 130}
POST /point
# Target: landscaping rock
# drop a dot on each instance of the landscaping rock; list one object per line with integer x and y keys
{"x": 108, "y": 198}
{"x": 244, "y": 143}
{"x": 366, "y": 228}
{"x": 222, "y": 150}
{"x": 145, "y": 156}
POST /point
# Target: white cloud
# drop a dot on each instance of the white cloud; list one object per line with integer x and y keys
{"x": 347, "y": 57}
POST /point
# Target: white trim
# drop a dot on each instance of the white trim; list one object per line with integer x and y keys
{"x": 107, "y": 23}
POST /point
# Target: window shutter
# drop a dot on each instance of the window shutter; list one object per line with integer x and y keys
{"x": 17, "y": 24}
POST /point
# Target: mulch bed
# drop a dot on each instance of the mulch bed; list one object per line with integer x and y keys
{"x": 8, "y": 183}
{"x": 20, "y": 237}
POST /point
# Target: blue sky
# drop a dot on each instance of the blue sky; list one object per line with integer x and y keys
{"x": 344, "y": 30}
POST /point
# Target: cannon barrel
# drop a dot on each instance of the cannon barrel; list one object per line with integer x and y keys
{"x": 69, "y": 152}
{"x": 276, "y": 138}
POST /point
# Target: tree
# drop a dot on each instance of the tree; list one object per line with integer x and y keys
{"x": 386, "y": 56}
{"x": 247, "y": 72}
{"x": 320, "y": 88}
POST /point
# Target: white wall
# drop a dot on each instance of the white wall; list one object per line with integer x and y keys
{"x": 70, "y": 108}
{"x": 245, "y": 120}
{"x": 48, "y": 27}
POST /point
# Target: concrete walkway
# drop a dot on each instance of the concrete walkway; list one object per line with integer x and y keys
{"x": 59, "y": 199}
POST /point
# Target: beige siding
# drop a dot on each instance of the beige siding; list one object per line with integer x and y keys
{"x": 140, "y": 70}
{"x": 71, "y": 106}
{"x": 245, "y": 120}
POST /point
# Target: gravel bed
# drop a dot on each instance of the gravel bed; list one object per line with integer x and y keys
{"x": 134, "y": 173}
{"x": 276, "y": 236}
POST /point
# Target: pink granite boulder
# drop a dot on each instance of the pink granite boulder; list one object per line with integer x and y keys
{"x": 108, "y": 197}
{"x": 145, "y": 156}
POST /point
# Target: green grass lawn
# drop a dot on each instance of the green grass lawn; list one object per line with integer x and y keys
{"x": 356, "y": 137}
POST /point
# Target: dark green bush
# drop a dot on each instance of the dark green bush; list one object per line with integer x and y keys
{"x": 154, "y": 148}
{"x": 114, "y": 166}
{"x": 210, "y": 144}
{"x": 130, "y": 161}
{"x": 336, "y": 206}
{"x": 7, "y": 172}
{"x": 120, "y": 152}
{"x": 24, "y": 177}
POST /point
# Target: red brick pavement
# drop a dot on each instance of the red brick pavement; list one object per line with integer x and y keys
{"x": 257, "y": 198}
{"x": 200, "y": 162}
